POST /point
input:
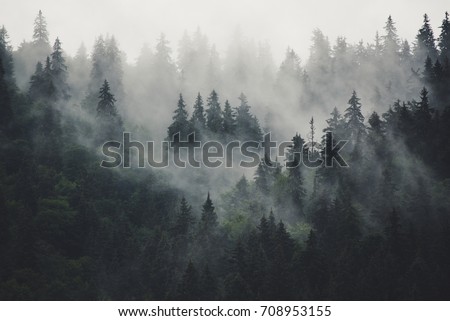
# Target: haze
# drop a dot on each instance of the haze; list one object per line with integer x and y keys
{"x": 280, "y": 23}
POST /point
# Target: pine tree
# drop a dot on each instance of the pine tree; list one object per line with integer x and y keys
{"x": 354, "y": 118}
{"x": 208, "y": 220}
{"x": 184, "y": 219}
{"x": 98, "y": 65}
{"x": 180, "y": 122}
{"x": 59, "y": 70}
{"x": 198, "y": 119}
{"x": 295, "y": 175}
{"x": 6, "y": 55}
{"x": 106, "y": 107}
{"x": 425, "y": 42}
{"x": 229, "y": 122}
{"x": 444, "y": 38}
{"x": 5, "y": 97}
{"x": 40, "y": 33}
{"x": 214, "y": 114}
{"x": 391, "y": 41}
{"x": 375, "y": 123}
{"x": 247, "y": 126}
{"x": 189, "y": 288}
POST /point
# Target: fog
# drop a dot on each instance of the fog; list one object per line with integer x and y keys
{"x": 281, "y": 23}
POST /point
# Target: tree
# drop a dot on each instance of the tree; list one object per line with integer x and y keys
{"x": 295, "y": 175}
{"x": 247, "y": 126}
{"x": 40, "y": 33}
{"x": 425, "y": 42}
{"x": 184, "y": 220}
{"x": 229, "y": 121}
{"x": 214, "y": 114}
{"x": 354, "y": 118}
{"x": 444, "y": 38}
{"x": 375, "y": 123}
{"x": 180, "y": 122}
{"x": 106, "y": 107}
{"x": 5, "y": 97}
{"x": 198, "y": 119}
{"x": 189, "y": 288}
{"x": 59, "y": 70}
{"x": 6, "y": 55}
{"x": 208, "y": 220}
{"x": 390, "y": 39}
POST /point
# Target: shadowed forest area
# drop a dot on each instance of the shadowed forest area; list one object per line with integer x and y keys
{"x": 377, "y": 230}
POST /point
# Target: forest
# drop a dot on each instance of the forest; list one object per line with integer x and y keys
{"x": 378, "y": 229}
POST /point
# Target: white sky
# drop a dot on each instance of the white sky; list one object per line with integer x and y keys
{"x": 281, "y": 22}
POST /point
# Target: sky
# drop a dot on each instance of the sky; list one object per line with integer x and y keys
{"x": 282, "y": 23}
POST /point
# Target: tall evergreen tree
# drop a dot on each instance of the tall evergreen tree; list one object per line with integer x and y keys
{"x": 6, "y": 55}
{"x": 198, "y": 119}
{"x": 106, "y": 106}
{"x": 180, "y": 122}
{"x": 208, "y": 220}
{"x": 444, "y": 38}
{"x": 390, "y": 39}
{"x": 59, "y": 70}
{"x": 354, "y": 118}
{"x": 214, "y": 114}
{"x": 425, "y": 42}
{"x": 247, "y": 126}
{"x": 229, "y": 121}
{"x": 40, "y": 33}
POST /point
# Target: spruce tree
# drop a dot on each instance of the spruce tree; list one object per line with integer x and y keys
{"x": 106, "y": 106}
{"x": 247, "y": 126}
{"x": 390, "y": 39}
{"x": 59, "y": 70}
{"x": 229, "y": 121}
{"x": 214, "y": 114}
{"x": 354, "y": 118}
{"x": 189, "y": 288}
{"x": 198, "y": 119}
{"x": 208, "y": 220}
{"x": 180, "y": 122}
{"x": 184, "y": 219}
{"x": 40, "y": 33}
{"x": 6, "y": 55}
{"x": 425, "y": 42}
{"x": 444, "y": 38}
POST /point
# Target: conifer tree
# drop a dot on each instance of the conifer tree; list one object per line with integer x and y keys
{"x": 390, "y": 39}
{"x": 354, "y": 118}
{"x": 106, "y": 106}
{"x": 208, "y": 220}
{"x": 214, "y": 113}
{"x": 444, "y": 38}
{"x": 198, "y": 119}
{"x": 40, "y": 33}
{"x": 425, "y": 42}
{"x": 247, "y": 126}
{"x": 6, "y": 55}
{"x": 229, "y": 122}
{"x": 180, "y": 122}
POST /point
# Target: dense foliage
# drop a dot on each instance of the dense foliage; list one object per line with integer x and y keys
{"x": 379, "y": 229}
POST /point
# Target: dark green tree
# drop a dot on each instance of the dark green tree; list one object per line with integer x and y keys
{"x": 180, "y": 122}
{"x": 444, "y": 38}
{"x": 354, "y": 120}
{"x": 425, "y": 42}
{"x": 214, "y": 113}
{"x": 198, "y": 119}
{"x": 247, "y": 126}
{"x": 229, "y": 121}
{"x": 189, "y": 287}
